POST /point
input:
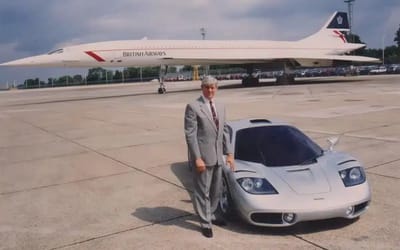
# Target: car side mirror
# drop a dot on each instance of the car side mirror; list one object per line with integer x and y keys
{"x": 332, "y": 142}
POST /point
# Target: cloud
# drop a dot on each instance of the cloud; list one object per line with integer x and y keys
{"x": 34, "y": 27}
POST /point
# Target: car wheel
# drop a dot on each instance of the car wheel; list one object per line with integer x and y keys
{"x": 226, "y": 203}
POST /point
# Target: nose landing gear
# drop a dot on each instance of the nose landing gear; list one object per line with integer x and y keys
{"x": 162, "y": 89}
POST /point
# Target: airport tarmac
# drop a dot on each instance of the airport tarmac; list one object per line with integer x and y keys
{"x": 104, "y": 167}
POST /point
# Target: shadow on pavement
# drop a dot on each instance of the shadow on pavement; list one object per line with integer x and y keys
{"x": 167, "y": 216}
{"x": 183, "y": 172}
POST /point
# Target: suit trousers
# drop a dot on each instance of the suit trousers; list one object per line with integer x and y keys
{"x": 207, "y": 193}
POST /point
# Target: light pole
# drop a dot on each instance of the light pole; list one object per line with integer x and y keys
{"x": 350, "y": 10}
{"x": 383, "y": 49}
{"x": 203, "y": 36}
{"x": 203, "y": 33}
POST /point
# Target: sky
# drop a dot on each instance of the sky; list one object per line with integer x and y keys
{"x": 29, "y": 28}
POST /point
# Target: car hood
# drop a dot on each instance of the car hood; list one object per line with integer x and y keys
{"x": 315, "y": 178}
{"x": 310, "y": 179}
{"x": 301, "y": 179}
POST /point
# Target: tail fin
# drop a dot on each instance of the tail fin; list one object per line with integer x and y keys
{"x": 338, "y": 21}
{"x": 331, "y": 33}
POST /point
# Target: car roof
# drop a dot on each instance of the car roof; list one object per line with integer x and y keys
{"x": 253, "y": 122}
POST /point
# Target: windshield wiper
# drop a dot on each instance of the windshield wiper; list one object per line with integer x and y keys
{"x": 312, "y": 159}
{"x": 264, "y": 162}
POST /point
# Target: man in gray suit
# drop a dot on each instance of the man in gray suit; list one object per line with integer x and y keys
{"x": 207, "y": 138}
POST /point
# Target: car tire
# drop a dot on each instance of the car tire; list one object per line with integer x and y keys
{"x": 226, "y": 202}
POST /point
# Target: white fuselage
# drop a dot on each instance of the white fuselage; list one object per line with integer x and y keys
{"x": 178, "y": 52}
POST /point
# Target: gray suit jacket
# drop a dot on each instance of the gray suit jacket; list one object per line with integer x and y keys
{"x": 203, "y": 138}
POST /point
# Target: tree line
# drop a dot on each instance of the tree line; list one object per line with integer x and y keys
{"x": 388, "y": 55}
{"x": 100, "y": 75}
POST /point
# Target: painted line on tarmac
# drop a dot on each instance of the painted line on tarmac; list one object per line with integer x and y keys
{"x": 310, "y": 242}
{"x": 105, "y": 155}
{"x": 63, "y": 183}
{"x": 123, "y": 231}
{"x": 343, "y": 111}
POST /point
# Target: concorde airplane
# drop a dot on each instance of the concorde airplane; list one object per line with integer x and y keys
{"x": 327, "y": 47}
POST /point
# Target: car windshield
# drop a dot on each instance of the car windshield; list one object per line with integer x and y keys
{"x": 275, "y": 146}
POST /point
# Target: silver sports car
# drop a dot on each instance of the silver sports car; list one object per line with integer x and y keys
{"x": 282, "y": 177}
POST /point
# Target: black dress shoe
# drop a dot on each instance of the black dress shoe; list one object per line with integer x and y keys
{"x": 219, "y": 222}
{"x": 207, "y": 232}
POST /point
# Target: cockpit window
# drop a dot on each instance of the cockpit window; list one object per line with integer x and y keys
{"x": 57, "y": 51}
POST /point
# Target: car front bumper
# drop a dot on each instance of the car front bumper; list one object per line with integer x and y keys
{"x": 279, "y": 211}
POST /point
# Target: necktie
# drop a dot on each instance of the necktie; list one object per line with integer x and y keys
{"x": 214, "y": 115}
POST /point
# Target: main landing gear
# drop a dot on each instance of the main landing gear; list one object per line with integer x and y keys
{"x": 285, "y": 78}
{"x": 251, "y": 78}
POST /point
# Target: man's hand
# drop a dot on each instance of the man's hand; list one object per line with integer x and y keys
{"x": 230, "y": 161}
{"x": 200, "y": 165}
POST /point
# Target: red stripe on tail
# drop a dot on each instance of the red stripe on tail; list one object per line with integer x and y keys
{"x": 341, "y": 35}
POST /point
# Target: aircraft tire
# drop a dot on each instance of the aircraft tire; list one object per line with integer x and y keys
{"x": 285, "y": 79}
{"x": 250, "y": 81}
{"x": 161, "y": 90}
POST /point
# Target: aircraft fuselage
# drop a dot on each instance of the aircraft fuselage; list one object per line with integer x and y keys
{"x": 175, "y": 52}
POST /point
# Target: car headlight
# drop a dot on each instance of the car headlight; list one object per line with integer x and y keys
{"x": 352, "y": 176}
{"x": 254, "y": 185}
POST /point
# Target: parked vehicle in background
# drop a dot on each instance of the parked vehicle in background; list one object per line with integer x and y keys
{"x": 378, "y": 70}
{"x": 341, "y": 71}
{"x": 394, "y": 69}
{"x": 364, "y": 70}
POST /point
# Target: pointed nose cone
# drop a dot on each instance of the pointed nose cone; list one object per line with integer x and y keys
{"x": 34, "y": 61}
{"x": 29, "y": 61}
{"x": 20, "y": 62}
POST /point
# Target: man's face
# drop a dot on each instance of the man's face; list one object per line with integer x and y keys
{"x": 209, "y": 91}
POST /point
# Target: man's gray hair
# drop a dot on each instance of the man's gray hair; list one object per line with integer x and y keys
{"x": 209, "y": 80}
